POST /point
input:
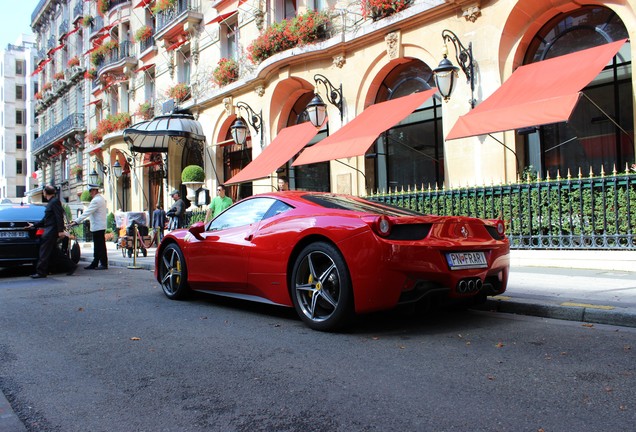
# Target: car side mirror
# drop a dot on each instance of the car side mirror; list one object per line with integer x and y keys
{"x": 197, "y": 229}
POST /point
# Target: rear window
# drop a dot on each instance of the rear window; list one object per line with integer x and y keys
{"x": 17, "y": 212}
{"x": 341, "y": 202}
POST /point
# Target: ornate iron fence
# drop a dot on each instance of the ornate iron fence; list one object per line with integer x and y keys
{"x": 581, "y": 213}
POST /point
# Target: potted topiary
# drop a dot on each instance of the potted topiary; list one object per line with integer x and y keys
{"x": 192, "y": 177}
{"x": 85, "y": 198}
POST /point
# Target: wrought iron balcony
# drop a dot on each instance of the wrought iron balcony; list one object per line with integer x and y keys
{"x": 96, "y": 25}
{"x": 70, "y": 125}
{"x": 78, "y": 10}
{"x": 178, "y": 13}
{"x": 62, "y": 29}
{"x": 116, "y": 55}
{"x": 146, "y": 44}
{"x": 51, "y": 42}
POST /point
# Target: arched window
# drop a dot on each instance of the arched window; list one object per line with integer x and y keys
{"x": 313, "y": 177}
{"x": 598, "y": 136}
{"x": 410, "y": 154}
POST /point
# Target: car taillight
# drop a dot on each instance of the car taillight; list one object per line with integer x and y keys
{"x": 383, "y": 226}
{"x": 501, "y": 228}
{"x": 39, "y": 232}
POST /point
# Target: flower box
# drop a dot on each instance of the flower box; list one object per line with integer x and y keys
{"x": 304, "y": 29}
{"x": 378, "y": 9}
{"x": 163, "y": 5}
{"x": 178, "y": 92}
{"x": 74, "y": 61}
{"x": 144, "y": 33}
{"x": 226, "y": 72}
{"x": 59, "y": 76}
{"x": 145, "y": 110}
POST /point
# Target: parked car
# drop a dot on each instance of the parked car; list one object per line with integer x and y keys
{"x": 18, "y": 244}
{"x": 333, "y": 256}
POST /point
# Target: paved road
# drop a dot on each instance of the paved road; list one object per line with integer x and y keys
{"x": 90, "y": 353}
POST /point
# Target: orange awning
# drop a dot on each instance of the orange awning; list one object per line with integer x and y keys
{"x": 355, "y": 138}
{"x": 143, "y": 3}
{"x": 221, "y": 17}
{"x": 144, "y": 68}
{"x": 287, "y": 143}
{"x": 536, "y": 94}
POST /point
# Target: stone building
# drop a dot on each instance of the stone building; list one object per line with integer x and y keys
{"x": 173, "y": 83}
{"x": 16, "y": 106}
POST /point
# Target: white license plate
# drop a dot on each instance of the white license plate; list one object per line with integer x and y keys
{"x": 466, "y": 260}
{"x": 14, "y": 234}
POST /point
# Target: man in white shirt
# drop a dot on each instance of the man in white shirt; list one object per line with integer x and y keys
{"x": 96, "y": 213}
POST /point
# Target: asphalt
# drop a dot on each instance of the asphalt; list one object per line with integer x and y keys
{"x": 592, "y": 287}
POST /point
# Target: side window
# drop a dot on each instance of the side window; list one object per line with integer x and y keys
{"x": 244, "y": 213}
{"x": 277, "y": 208}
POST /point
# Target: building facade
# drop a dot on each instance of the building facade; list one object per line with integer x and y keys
{"x": 16, "y": 90}
{"x": 160, "y": 85}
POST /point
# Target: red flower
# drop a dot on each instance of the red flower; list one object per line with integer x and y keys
{"x": 226, "y": 72}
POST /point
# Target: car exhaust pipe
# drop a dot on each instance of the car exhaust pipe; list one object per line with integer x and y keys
{"x": 461, "y": 286}
{"x": 478, "y": 284}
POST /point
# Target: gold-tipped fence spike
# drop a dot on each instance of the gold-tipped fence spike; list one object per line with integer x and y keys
{"x": 614, "y": 172}
{"x": 569, "y": 174}
{"x": 580, "y": 174}
{"x": 547, "y": 176}
{"x": 602, "y": 171}
{"x": 591, "y": 172}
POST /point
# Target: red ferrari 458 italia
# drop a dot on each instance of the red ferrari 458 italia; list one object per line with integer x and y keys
{"x": 333, "y": 256}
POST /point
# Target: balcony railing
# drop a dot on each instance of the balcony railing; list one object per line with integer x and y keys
{"x": 96, "y": 25}
{"x": 582, "y": 213}
{"x": 122, "y": 51}
{"x": 63, "y": 28}
{"x": 146, "y": 44}
{"x": 71, "y": 124}
{"x": 78, "y": 10}
{"x": 167, "y": 17}
{"x": 115, "y": 3}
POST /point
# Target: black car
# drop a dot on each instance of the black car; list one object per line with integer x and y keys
{"x": 18, "y": 244}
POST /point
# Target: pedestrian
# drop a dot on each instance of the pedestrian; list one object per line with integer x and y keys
{"x": 53, "y": 224}
{"x": 159, "y": 222}
{"x": 96, "y": 213}
{"x": 218, "y": 204}
{"x": 177, "y": 211}
{"x": 283, "y": 183}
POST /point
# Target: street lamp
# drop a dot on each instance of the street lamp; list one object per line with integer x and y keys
{"x": 239, "y": 129}
{"x": 446, "y": 73}
{"x": 316, "y": 108}
{"x": 93, "y": 177}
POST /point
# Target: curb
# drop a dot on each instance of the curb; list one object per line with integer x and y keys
{"x": 588, "y": 314}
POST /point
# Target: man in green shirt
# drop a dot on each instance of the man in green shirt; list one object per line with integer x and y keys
{"x": 218, "y": 204}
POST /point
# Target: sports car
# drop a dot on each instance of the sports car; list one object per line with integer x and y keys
{"x": 333, "y": 256}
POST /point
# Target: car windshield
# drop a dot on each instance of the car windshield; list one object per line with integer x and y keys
{"x": 342, "y": 202}
{"x": 17, "y": 212}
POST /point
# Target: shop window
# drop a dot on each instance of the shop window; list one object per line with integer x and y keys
{"x": 591, "y": 138}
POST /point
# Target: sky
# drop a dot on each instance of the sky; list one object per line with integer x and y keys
{"x": 15, "y": 19}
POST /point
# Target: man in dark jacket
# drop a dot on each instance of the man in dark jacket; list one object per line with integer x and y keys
{"x": 53, "y": 224}
{"x": 177, "y": 211}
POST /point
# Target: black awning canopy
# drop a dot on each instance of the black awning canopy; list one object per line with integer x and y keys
{"x": 155, "y": 135}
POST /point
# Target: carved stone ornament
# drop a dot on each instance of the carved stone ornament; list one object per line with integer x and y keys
{"x": 227, "y": 104}
{"x": 339, "y": 61}
{"x": 260, "y": 90}
{"x": 171, "y": 64}
{"x": 472, "y": 13}
{"x": 392, "y": 41}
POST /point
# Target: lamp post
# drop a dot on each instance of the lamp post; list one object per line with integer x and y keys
{"x": 239, "y": 129}
{"x": 446, "y": 72}
{"x": 316, "y": 108}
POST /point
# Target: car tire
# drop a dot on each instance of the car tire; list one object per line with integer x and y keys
{"x": 173, "y": 275}
{"x": 321, "y": 287}
{"x": 75, "y": 251}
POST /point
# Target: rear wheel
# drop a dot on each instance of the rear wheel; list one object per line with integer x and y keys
{"x": 173, "y": 274}
{"x": 321, "y": 287}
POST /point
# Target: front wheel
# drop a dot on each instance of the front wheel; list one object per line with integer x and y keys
{"x": 173, "y": 274}
{"x": 321, "y": 287}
